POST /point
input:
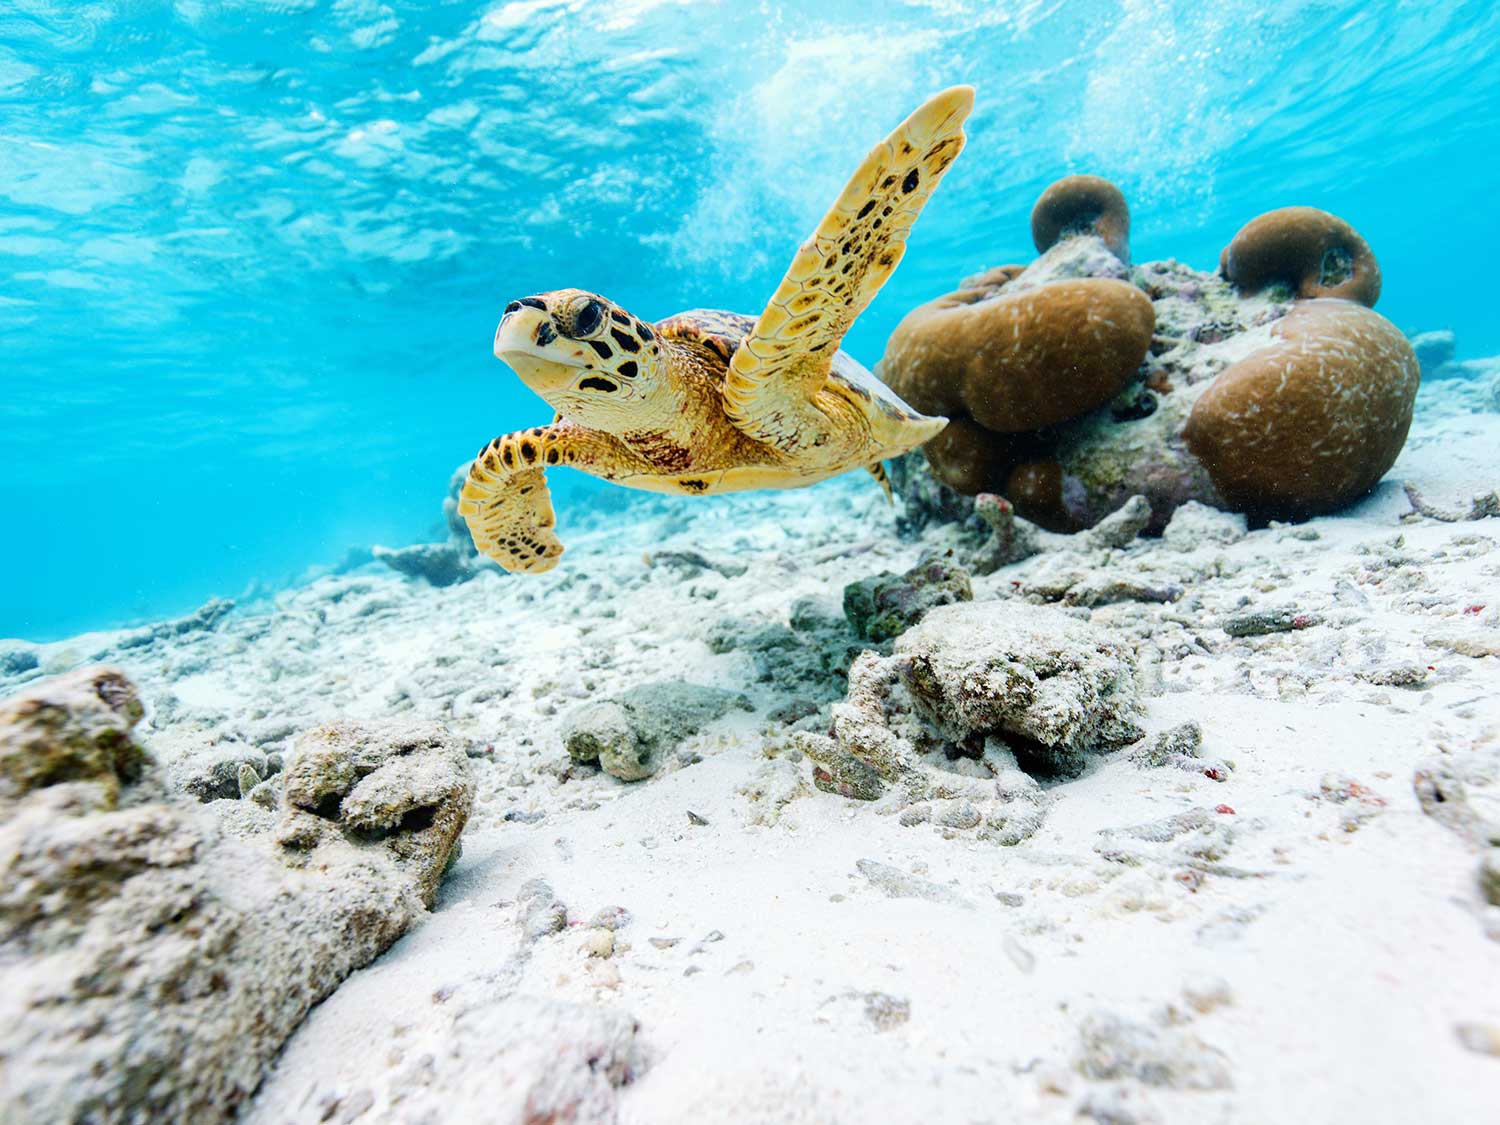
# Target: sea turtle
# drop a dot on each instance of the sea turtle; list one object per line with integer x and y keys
{"x": 708, "y": 401}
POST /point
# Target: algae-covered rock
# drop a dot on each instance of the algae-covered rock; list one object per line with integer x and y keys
{"x": 1011, "y": 668}
{"x": 629, "y": 735}
{"x": 155, "y": 952}
{"x": 886, "y": 605}
{"x": 402, "y": 783}
{"x": 808, "y": 658}
{"x": 75, "y": 728}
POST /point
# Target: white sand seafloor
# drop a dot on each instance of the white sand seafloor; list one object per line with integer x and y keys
{"x": 1329, "y": 959}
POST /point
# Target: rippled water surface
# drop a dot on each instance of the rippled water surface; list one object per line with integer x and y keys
{"x": 253, "y": 252}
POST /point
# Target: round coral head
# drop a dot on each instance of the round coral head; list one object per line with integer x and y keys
{"x": 1313, "y": 253}
{"x": 1082, "y": 205}
{"x": 1312, "y": 421}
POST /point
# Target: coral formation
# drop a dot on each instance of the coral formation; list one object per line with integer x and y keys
{"x": 155, "y": 954}
{"x": 1313, "y": 420}
{"x": 1310, "y": 252}
{"x": 1017, "y": 362}
{"x": 1068, "y": 397}
{"x": 1082, "y": 205}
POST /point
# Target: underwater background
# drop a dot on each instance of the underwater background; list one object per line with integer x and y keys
{"x": 253, "y": 253}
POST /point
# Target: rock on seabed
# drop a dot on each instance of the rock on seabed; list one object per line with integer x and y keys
{"x": 1012, "y": 668}
{"x": 155, "y": 952}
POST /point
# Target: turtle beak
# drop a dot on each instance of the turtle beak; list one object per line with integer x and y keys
{"x": 523, "y": 329}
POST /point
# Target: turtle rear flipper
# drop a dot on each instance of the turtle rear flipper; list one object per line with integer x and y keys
{"x": 837, "y": 272}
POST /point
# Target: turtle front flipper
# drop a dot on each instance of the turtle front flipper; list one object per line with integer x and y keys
{"x": 505, "y": 500}
{"x": 506, "y": 503}
{"x": 837, "y": 272}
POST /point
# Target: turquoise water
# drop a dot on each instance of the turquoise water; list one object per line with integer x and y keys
{"x": 253, "y": 253}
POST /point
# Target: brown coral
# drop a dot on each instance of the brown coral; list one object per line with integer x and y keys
{"x": 967, "y": 457}
{"x": 1312, "y": 252}
{"x": 1082, "y": 205}
{"x": 1312, "y": 421}
{"x": 1036, "y": 490}
{"x": 1014, "y": 363}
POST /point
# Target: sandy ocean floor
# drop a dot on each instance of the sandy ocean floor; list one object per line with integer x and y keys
{"x": 1287, "y": 927}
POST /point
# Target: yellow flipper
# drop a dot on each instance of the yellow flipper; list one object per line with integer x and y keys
{"x": 838, "y": 270}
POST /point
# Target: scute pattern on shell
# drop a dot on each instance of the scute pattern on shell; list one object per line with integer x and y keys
{"x": 722, "y": 332}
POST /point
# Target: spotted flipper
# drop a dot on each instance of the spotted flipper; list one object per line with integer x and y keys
{"x": 877, "y": 471}
{"x": 837, "y": 272}
{"x": 505, "y": 500}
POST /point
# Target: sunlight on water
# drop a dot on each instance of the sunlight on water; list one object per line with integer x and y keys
{"x": 254, "y": 252}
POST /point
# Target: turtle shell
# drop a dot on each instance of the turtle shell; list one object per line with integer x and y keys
{"x": 717, "y": 334}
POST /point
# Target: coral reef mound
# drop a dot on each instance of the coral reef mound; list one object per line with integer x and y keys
{"x": 1082, "y": 205}
{"x": 1311, "y": 252}
{"x": 1079, "y": 382}
{"x": 1001, "y": 364}
{"x": 1313, "y": 420}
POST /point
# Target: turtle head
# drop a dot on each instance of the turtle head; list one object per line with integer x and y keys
{"x": 591, "y": 360}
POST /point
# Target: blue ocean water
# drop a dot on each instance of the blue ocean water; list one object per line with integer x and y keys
{"x": 252, "y": 252}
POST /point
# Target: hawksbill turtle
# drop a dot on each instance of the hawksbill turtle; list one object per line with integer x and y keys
{"x": 709, "y": 401}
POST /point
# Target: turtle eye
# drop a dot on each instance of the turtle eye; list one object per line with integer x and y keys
{"x": 588, "y": 318}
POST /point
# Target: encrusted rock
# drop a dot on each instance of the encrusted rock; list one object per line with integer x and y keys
{"x": 1014, "y": 669}
{"x": 885, "y": 605}
{"x": 1112, "y": 1048}
{"x": 807, "y": 658}
{"x": 1195, "y": 525}
{"x": 213, "y": 773}
{"x": 1011, "y": 538}
{"x": 1120, "y": 527}
{"x": 402, "y": 783}
{"x": 75, "y": 728}
{"x": 439, "y": 564}
{"x": 629, "y": 735}
{"x": 1434, "y": 351}
{"x": 1489, "y": 877}
{"x": 17, "y": 658}
{"x": 598, "y": 729}
{"x": 155, "y": 954}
